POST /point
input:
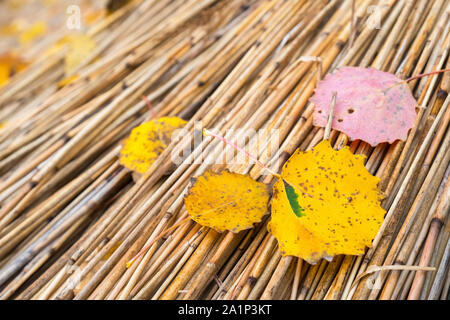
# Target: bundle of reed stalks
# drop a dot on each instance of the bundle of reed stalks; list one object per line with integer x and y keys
{"x": 71, "y": 215}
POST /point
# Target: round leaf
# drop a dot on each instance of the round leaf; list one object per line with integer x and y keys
{"x": 147, "y": 141}
{"x": 227, "y": 201}
{"x": 339, "y": 204}
{"x": 371, "y": 105}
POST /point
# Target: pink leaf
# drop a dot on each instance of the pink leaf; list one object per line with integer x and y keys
{"x": 371, "y": 105}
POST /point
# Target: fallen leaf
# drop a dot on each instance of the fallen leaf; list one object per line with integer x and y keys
{"x": 147, "y": 141}
{"x": 371, "y": 105}
{"x": 38, "y": 29}
{"x": 80, "y": 47}
{"x": 10, "y": 64}
{"x": 17, "y": 4}
{"x": 340, "y": 211}
{"x": 227, "y": 201}
{"x": 16, "y": 26}
{"x": 4, "y": 74}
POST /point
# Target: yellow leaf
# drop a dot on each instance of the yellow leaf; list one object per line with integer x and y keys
{"x": 227, "y": 201}
{"x": 9, "y": 65}
{"x": 4, "y": 74}
{"x": 15, "y": 27}
{"x": 339, "y": 202}
{"x": 17, "y": 4}
{"x": 36, "y": 30}
{"x": 80, "y": 47}
{"x": 147, "y": 141}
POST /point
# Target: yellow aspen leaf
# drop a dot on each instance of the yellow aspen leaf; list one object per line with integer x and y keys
{"x": 80, "y": 47}
{"x": 14, "y": 28}
{"x": 4, "y": 74}
{"x": 9, "y": 65}
{"x": 227, "y": 201}
{"x": 147, "y": 141}
{"x": 17, "y": 4}
{"x": 38, "y": 29}
{"x": 338, "y": 207}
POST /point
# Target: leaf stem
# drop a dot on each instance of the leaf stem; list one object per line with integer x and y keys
{"x": 414, "y": 78}
{"x": 149, "y": 104}
{"x": 426, "y": 74}
{"x": 207, "y": 132}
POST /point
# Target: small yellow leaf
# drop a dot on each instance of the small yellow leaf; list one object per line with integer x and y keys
{"x": 227, "y": 201}
{"x": 17, "y": 4}
{"x": 80, "y": 47}
{"x": 147, "y": 141}
{"x": 4, "y": 74}
{"x": 9, "y": 65}
{"x": 14, "y": 28}
{"x": 339, "y": 204}
{"x": 36, "y": 30}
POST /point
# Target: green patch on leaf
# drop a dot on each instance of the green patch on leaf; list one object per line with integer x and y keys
{"x": 293, "y": 199}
